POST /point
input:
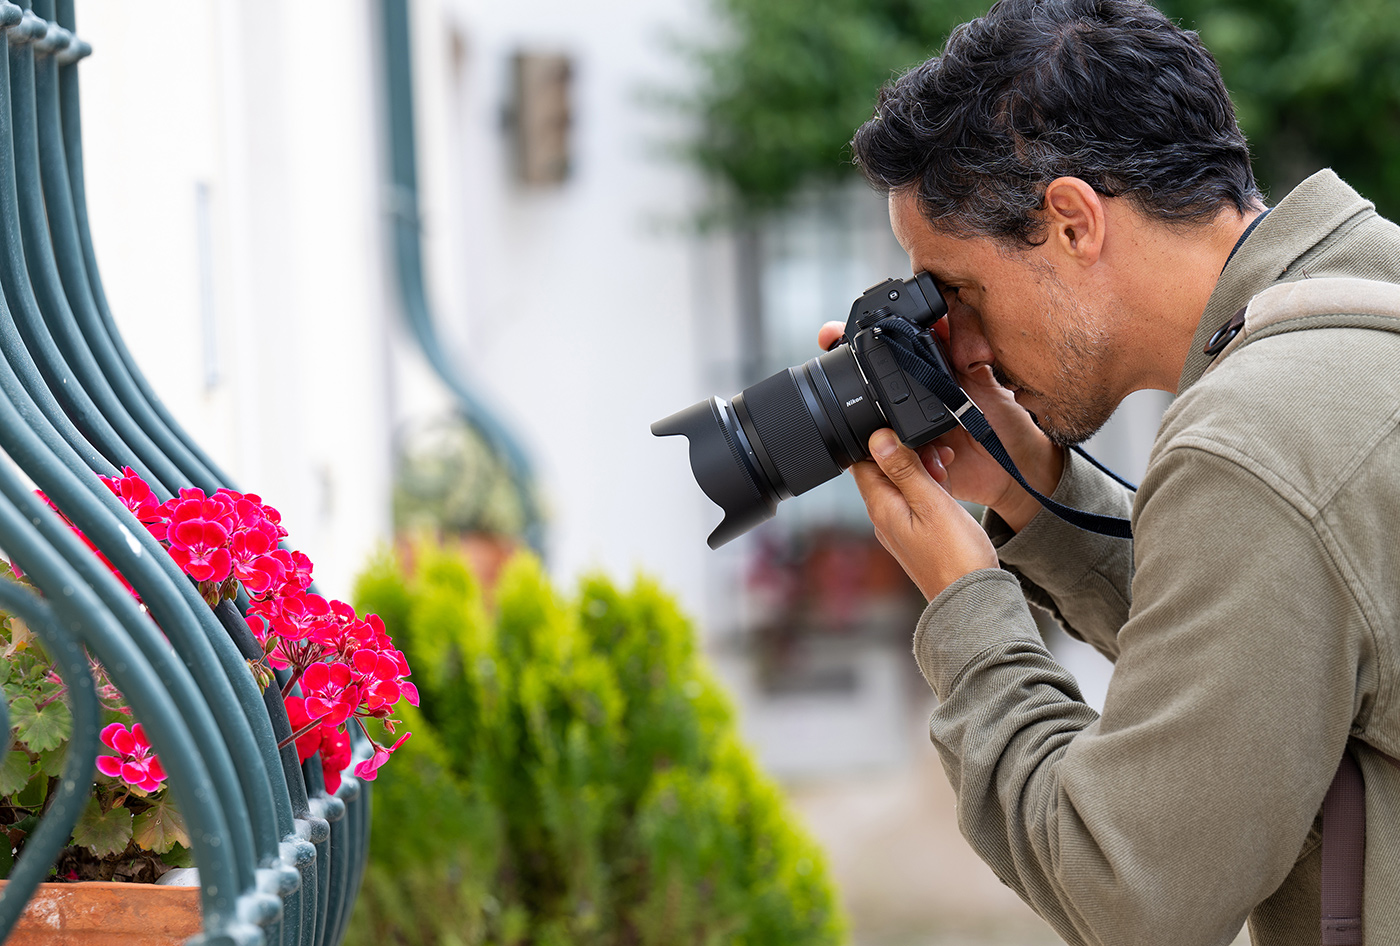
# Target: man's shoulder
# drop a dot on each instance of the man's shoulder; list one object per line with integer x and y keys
{"x": 1300, "y": 407}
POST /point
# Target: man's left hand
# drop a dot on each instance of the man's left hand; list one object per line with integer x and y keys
{"x": 929, "y": 534}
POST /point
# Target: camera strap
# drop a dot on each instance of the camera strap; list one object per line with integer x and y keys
{"x": 913, "y": 350}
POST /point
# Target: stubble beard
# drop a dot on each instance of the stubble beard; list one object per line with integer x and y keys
{"x": 1080, "y": 403}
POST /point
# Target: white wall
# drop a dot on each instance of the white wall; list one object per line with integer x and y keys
{"x": 581, "y": 311}
{"x": 272, "y": 114}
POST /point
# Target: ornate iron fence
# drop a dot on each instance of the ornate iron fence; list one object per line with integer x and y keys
{"x": 279, "y": 859}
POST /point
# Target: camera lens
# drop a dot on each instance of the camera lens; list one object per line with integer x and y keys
{"x": 778, "y": 438}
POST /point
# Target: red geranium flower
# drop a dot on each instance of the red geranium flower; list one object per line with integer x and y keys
{"x": 330, "y": 692}
{"x": 134, "y": 763}
{"x": 369, "y": 768}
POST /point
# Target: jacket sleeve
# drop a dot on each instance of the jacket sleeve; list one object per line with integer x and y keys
{"x": 1083, "y": 579}
{"x": 1188, "y": 802}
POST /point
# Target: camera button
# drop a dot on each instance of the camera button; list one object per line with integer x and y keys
{"x": 883, "y": 361}
{"x": 895, "y": 387}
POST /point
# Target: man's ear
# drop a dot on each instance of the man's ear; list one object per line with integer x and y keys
{"x": 1074, "y": 219}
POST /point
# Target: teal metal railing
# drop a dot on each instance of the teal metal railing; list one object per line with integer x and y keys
{"x": 406, "y": 230}
{"x": 279, "y": 859}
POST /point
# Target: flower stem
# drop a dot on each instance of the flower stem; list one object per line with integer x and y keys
{"x": 291, "y": 682}
{"x": 359, "y": 721}
{"x": 300, "y": 732}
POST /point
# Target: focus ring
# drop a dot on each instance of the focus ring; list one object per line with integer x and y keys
{"x": 788, "y": 433}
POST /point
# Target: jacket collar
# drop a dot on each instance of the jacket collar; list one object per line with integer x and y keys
{"x": 1308, "y": 215}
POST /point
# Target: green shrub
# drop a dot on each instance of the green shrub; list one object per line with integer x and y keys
{"x": 574, "y": 777}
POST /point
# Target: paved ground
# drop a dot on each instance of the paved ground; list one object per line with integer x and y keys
{"x": 907, "y": 876}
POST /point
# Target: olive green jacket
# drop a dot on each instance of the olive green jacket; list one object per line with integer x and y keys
{"x": 1254, "y": 625}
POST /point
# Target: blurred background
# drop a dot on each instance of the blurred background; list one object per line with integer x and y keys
{"x": 620, "y": 207}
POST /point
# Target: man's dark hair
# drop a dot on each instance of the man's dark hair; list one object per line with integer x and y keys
{"x": 1108, "y": 91}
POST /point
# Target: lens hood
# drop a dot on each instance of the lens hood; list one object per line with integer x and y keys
{"x": 724, "y": 465}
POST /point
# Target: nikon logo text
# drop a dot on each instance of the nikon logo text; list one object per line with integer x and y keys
{"x": 855, "y": 400}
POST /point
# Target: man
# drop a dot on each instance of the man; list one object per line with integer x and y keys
{"x": 1071, "y": 172}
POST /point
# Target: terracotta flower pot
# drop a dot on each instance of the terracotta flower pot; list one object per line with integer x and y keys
{"x": 86, "y": 914}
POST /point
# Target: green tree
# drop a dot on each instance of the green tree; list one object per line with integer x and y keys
{"x": 1316, "y": 83}
{"x": 574, "y": 777}
{"x": 780, "y": 97}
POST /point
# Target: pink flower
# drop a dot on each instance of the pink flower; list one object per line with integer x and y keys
{"x": 330, "y": 692}
{"x": 308, "y": 743}
{"x": 298, "y": 568}
{"x": 137, "y": 496}
{"x": 259, "y": 574}
{"x": 378, "y": 675}
{"x": 335, "y": 755}
{"x": 369, "y": 768}
{"x": 198, "y": 535}
{"x": 294, "y": 617}
{"x": 348, "y": 667}
{"x": 135, "y": 763}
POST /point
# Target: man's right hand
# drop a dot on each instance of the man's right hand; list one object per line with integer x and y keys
{"x": 972, "y": 475}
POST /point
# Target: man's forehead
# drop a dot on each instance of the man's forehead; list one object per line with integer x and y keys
{"x": 943, "y": 255}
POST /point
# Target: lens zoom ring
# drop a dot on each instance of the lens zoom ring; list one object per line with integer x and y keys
{"x": 789, "y": 434}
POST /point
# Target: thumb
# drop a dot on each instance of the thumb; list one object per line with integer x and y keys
{"x": 901, "y": 466}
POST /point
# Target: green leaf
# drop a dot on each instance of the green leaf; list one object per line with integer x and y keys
{"x": 101, "y": 832}
{"x": 179, "y": 855}
{"x": 41, "y": 729}
{"x": 14, "y": 772}
{"x": 51, "y": 762}
{"x": 160, "y": 827}
{"x": 7, "y": 856}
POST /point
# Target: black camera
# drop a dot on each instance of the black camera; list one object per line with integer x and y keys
{"x": 802, "y": 426}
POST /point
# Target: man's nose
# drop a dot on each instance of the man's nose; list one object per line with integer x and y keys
{"x": 966, "y": 343}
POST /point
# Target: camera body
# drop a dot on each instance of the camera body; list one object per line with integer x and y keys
{"x": 915, "y": 413}
{"x": 802, "y": 426}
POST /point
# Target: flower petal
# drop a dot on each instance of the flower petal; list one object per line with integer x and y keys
{"x": 109, "y": 733}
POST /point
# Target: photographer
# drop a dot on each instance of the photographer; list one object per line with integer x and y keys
{"x": 1072, "y": 173}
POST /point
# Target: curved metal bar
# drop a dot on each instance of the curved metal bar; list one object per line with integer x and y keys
{"x": 47, "y": 552}
{"x": 349, "y": 835}
{"x": 349, "y": 838}
{"x": 324, "y": 824}
{"x": 71, "y": 112}
{"x": 83, "y": 342}
{"x": 302, "y": 844}
{"x": 406, "y": 227}
{"x": 102, "y": 525}
{"x": 95, "y": 410}
{"x": 120, "y": 543}
{"x": 33, "y": 397}
{"x": 237, "y": 708}
{"x": 163, "y": 594}
{"x": 75, "y": 781}
{"x": 297, "y": 839}
{"x": 356, "y": 794}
